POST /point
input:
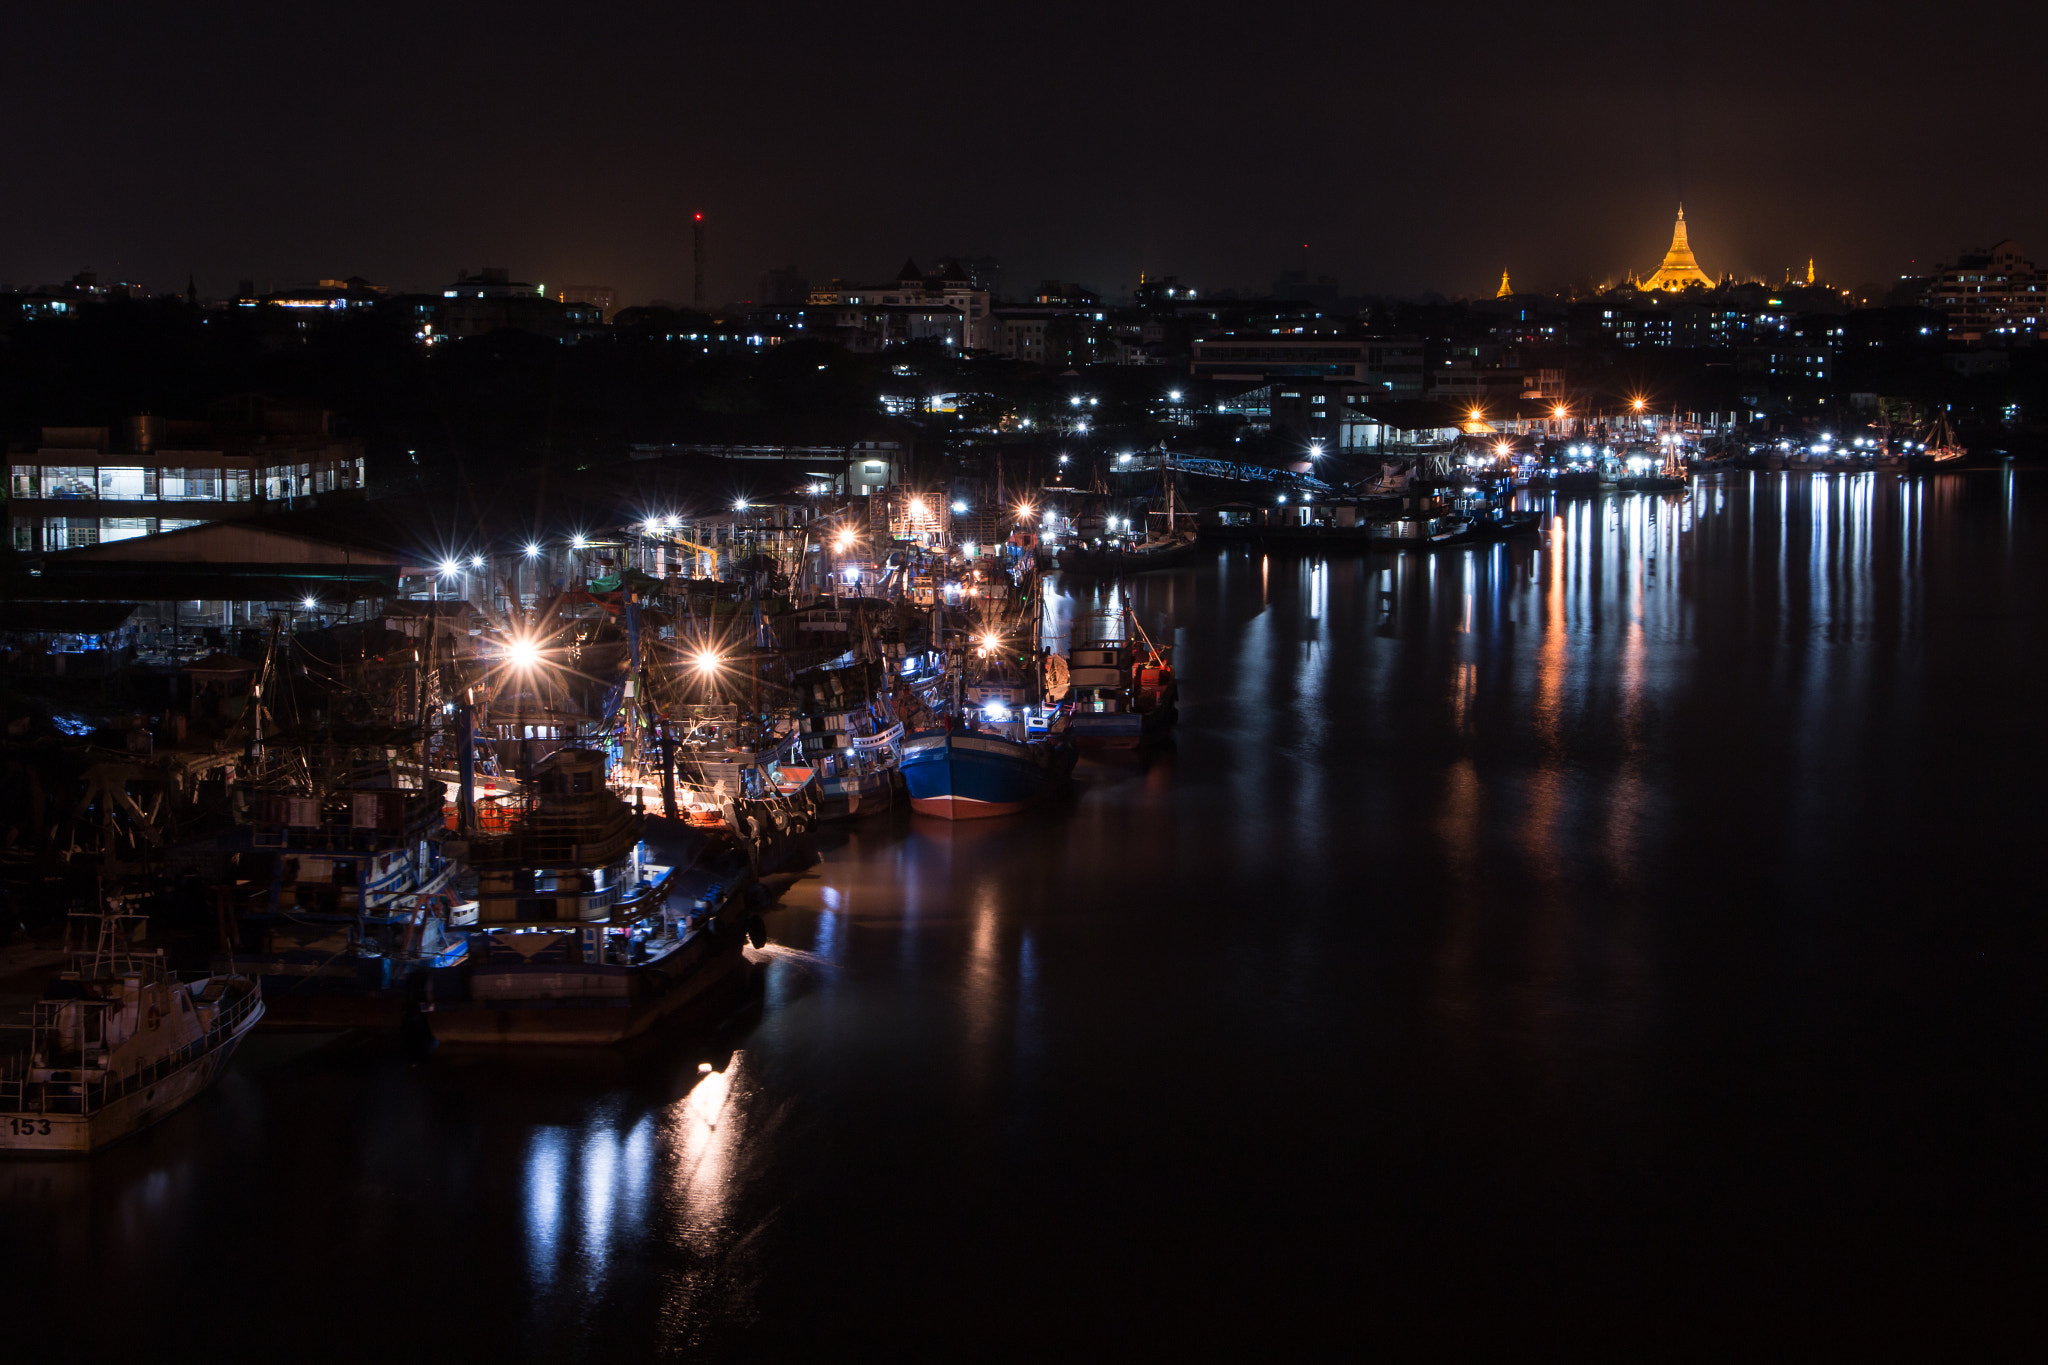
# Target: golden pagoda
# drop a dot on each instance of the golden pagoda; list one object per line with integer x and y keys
{"x": 1504, "y": 290}
{"x": 1679, "y": 270}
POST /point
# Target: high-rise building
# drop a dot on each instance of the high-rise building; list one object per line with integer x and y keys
{"x": 1987, "y": 295}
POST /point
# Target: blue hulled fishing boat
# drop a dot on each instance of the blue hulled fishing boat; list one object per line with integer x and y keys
{"x": 970, "y": 774}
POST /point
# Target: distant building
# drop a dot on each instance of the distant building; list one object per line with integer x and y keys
{"x": 332, "y": 295}
{"x": 1162, "y": 290}
{"x": 1251, "y": 358}
{"x": 491, "y": 301}
{"x": 912, "y": 288}
{"x": 1067, "y": 293}
{"x": 1990, "y": 295}
{"x": 868, "y": 327}
{"x": 1053, "y": 334}
{"x": 76, "y": 489}
{"x": 1296, "y": 286}
{"x": 782, "y": 288}
{"x": 602, "y": 297}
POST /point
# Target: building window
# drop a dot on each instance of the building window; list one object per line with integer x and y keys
{"x": 127, "y": 484}
{"x": 70, "y": 533}
{"x": 23, "y": 480}
{"x": 70, "y": 481}
{"x": 189, "y": 485}
{"x": 123, "y": 528}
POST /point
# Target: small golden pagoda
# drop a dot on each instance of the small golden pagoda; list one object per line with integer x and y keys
{"x": 1680, "y": 270}
{"x": 1504, "y": 290}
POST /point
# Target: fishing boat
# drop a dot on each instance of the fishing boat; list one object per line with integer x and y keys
{"x": 982, "y": 760}
{"x": 851, "y": 734}
{"x": 1941, "y": 445}
{"x": 1171, "y": 550}
{"x": 118, "y": 1042}
{"x": 354, "y": 896}
{"x": 1121, "y": 694}
{"x": 581, "y": 937}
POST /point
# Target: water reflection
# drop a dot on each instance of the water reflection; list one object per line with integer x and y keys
{"x": 1529, "y": 882}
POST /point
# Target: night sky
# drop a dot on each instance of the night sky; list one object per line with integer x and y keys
{"x": 1412, "y": 147}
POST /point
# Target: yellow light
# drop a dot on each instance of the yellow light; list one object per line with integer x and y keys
{"x": 1025, "y": 511}
{"x": 917, "y": 507}
{"x": 1476, "y": 415}
{"x": 706, "y": 661}
{"x": 990, "y": 643}
{"x": 1638, "y": 405}
{"x": 845, "y": 542}
{"x": 1558, "y": 412}
{"x": 522, "y": 653}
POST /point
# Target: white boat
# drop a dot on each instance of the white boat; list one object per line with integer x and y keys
{"x": 118, "y": 1043}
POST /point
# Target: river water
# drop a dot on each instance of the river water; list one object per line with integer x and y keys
{"x": 1629, "y": 939}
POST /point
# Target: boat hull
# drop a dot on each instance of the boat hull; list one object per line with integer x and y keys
{"x": 41, "y": 1133}
{"x": 873, "y": 794}
{"x": 1110, "y": 731}
{"x": 581, "y": 1005}
{"x": 973, "y": 776}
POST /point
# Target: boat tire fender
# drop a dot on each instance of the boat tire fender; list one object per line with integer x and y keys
{"x": 757, "y": 931}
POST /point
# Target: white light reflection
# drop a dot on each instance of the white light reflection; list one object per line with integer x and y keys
{"x": 599, "y": 1171}
{"x": 699, "y": 1134}
{"x": 544, "y": 1176}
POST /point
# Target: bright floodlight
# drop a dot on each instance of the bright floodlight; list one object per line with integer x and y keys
{"x": 309, "y": 604}
{"x": 522, "y": 653}
{"x": 532, "y": 550}
{"x": 476, "y": 561}
{"x": 1075, "y": 400}
{"x": 671, "y": 522}
{"x": 1025, "y": 511}
{"x": 1173, "y": 396}
{"x": 449, "y": 566}
{"x": 1558, "y": 412}
{"x": 1638, "y": 405}
{"x": 991, "y": 642}
{"x": 959, "y": 508}
{"x": 845, "y": 541}
{"x": 739, "y": 505}
{"x": 578, "y": 543}
{"x": 653, "y": 526}
{"x": 705, "y": 661}
{"x": 1315, "y": 450}
{"x": 1063, "y": 459}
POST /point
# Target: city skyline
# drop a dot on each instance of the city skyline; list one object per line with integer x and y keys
{"x": 1411, "y": 153}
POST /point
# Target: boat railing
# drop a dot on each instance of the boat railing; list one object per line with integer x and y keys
{"x": 85, "y": 1094}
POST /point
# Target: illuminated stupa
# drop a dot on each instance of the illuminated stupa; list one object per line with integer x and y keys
{"x": 1505, "y": 292}
{"x": 1679, "y": 270}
